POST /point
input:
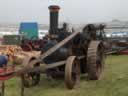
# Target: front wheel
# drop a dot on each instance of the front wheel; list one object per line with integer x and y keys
{"x": 33, "y": 78}
{"x": 72, "y": 72}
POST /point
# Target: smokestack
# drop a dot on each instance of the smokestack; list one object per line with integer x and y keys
{"x": 54, "y": 9}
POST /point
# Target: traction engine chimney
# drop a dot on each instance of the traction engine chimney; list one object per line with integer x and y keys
{"x": 54, "y": 10}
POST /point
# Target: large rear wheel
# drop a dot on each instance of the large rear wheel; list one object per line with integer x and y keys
{"x": 95, "y": 60}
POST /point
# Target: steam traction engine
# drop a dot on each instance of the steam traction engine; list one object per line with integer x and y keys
{"x": 69, "y": 54}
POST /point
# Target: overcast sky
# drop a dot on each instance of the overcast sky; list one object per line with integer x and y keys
{"x": 73, "y": 11}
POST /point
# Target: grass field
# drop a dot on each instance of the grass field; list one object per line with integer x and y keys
{"x": 113, "y": 83}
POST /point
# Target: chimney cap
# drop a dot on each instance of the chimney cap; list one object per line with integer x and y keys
{"x": 54, "y": 8}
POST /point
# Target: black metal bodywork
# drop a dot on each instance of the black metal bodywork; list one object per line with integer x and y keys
{"x": 77, "y": 46}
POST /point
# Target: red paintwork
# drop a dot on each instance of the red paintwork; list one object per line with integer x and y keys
{"x": 5, "y": 75}
{"x": 123, "y": 52}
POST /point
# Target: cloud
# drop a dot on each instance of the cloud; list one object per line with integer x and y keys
{"x": 75, "y": 11}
